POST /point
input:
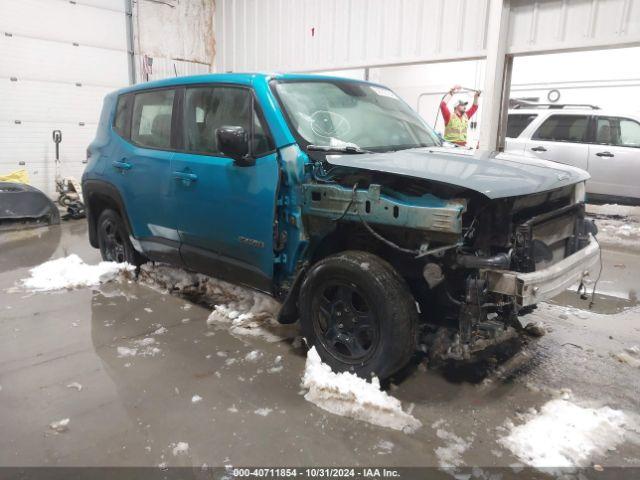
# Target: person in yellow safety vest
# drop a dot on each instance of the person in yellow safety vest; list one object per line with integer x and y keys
{"x": 455, "y": 126}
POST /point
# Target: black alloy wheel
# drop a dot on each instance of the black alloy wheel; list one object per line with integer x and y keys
{"x": 359, "y": 314}
{"x": 344, "y": 321}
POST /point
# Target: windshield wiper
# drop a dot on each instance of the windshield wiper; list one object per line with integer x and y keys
{"x": 413, "y": 147}
{"x": 329, "y": 148}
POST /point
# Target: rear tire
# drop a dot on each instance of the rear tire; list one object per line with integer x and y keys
{"x": 359, "y": 314}
{"x": 113, "y": 240}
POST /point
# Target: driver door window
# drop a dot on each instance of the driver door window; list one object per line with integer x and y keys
{"x": 209, "y": 108}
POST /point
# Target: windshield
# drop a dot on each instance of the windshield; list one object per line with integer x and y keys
{"x": 352, "y": 114}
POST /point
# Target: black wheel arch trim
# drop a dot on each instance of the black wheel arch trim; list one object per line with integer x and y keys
{"x": 289, "y": 312}
{"x": 91, "y": 188}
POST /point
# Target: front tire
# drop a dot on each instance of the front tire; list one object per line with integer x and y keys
{"x": 359, "y": 314}
{"x": 113, "y": 240}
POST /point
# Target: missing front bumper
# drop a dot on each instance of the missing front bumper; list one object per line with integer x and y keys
{"x": 534, "y": 287}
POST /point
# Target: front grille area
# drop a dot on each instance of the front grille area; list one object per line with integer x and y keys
{"x": 548, "y": 238}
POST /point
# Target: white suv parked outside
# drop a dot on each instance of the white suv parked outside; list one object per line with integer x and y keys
{"x": 604, "y": 143}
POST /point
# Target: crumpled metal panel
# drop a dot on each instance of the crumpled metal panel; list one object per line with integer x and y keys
{"x": 422, "y": 213}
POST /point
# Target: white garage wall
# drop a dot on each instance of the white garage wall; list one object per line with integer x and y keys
{"x": 58, "y": 60}
{"x": 54, "y": 61}
{"x": 94, "y": 23}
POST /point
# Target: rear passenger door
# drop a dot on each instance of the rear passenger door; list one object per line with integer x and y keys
{"x": 561, "y": 138}
{"x": 141, "y": 168}
{"x": 225, "y": 212}
{"x": 614, "y": 157}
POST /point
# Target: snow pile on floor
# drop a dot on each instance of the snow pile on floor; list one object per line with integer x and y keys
{"x": 71, "y": 272}
{"x": 348, "y": 395}
{"x": 124, "y": 352}
{"x": 251, "y": 319}
{"x": 565, "y": 435}
{"x": 613, "y": 209}
{"x": 253, "y": 356}
{"x": 145, "y": 347}
{"x": 450, "y": 456}
{"x": 60, "y": 425}
{"x": 384, "y": 447}
{"x": 618, "y": 232}
{"x": 180, "y": 448}
{"x": 160, "y": 330}
{"x": 242, "y": 310}
{"x": 630, "y": 356}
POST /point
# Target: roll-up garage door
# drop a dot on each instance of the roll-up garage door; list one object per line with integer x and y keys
{"x": 58, "y": 59}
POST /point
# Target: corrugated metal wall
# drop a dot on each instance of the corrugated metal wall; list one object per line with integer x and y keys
{"x": 329, "y": 34}
{"x": 552, "y": 25}
{"x": 314, "y": 35}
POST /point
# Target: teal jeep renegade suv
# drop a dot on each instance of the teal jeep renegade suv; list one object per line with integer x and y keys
{"x": 335, "y": 197}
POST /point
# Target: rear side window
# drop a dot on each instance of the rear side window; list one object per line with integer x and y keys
{"x": 563, "y": 128}
{"x": 516, "y": 123}
{"x": 121, "y": 121}
{"x": 209, "y": 108}
{"x": 621, "y": 132}
{"x": 151, "y": 120}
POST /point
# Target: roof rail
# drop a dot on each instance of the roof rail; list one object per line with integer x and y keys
{"x": 516, "y": 104}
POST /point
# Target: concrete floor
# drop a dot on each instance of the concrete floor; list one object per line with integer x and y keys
{"x": 132, "y": 411}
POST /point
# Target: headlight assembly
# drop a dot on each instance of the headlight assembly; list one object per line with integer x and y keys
{"x": 579, "y": 192}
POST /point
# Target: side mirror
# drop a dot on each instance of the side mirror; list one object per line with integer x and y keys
{"x": 234, "y": 142}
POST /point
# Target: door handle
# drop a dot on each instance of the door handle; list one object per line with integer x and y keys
{"x": 185, "y": 176}
{"x": 539, "y": 149}
{"x": 122, "y": 165}
{"x": 605, "y": 154}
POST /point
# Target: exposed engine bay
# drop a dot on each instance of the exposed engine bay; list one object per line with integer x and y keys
{"x": 474, "y": 264}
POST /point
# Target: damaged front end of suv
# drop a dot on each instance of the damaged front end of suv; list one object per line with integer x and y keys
{"x": 457, "y": 243}
{"x": 480, "y": 240}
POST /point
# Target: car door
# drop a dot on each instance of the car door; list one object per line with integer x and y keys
{"x": 225, "y": 212}
{"x": 517, "y": 123}
{"x": 142, "y": 162}
{"x": 614, "y": 157}
{"x": 561, "y": 138}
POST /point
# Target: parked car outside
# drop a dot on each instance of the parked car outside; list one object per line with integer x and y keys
{"x": 335, "y": 197}
{"x": 604, "y": 143}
